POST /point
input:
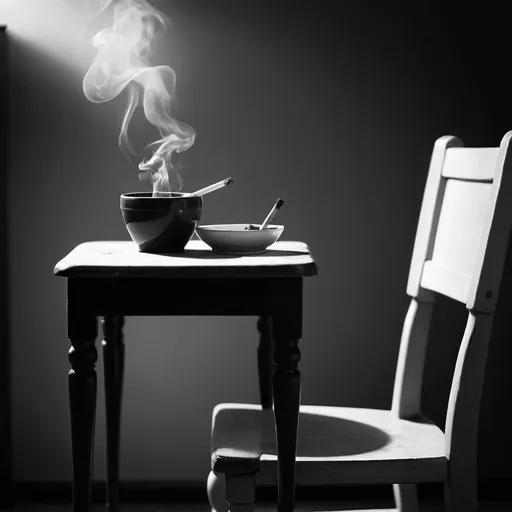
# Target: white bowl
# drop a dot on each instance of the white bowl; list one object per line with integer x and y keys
{"x": 236, "y": 240}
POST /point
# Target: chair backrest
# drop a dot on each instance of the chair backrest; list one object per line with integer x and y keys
{"x": 459, "y": 251}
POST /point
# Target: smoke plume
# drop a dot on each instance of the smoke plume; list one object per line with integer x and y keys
{"x": 121, "y": 63}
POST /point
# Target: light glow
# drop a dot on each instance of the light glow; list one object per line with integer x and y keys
{"x": 55, "y": 28}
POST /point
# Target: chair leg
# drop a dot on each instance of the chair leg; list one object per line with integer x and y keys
{"x": 406, "y": 497}
{"x": 216, "y": 489}
{"x": 241, "y": 491}
{"x": 265, "y": 360}
{"x": 460, "y": 496}
{"x": 113, "y": 362}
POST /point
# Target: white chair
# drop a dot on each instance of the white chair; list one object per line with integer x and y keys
{"x": 460, "y": 248}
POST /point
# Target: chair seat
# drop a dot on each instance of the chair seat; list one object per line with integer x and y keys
{"x": 335, "y": 444}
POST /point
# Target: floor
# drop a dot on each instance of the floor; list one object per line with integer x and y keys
{"x": 495, "y": 506}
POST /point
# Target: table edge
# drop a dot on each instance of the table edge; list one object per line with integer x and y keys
{"x": 298, "y": 270}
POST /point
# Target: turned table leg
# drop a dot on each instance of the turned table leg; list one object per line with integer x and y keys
{"x": 265, "y": 361}
{"x": 82, "y": 332}
{"x": 286, "y": 388}
{"x": 113, "y": 363}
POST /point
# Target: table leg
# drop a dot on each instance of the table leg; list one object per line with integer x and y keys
{"x": 286, "y": 387}
{"x": 82, "y": 333}
{"x": 113, "y": 363}
{"x": 265, "y": 361}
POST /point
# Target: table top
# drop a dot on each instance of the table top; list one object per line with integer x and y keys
{"x": 123, "y": 259}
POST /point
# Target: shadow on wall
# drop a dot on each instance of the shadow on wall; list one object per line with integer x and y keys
{"x": 334, "y": 111}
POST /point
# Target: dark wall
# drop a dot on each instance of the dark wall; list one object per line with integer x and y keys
{"x": 5, "y": 387}
{"x": 332, "y": 105}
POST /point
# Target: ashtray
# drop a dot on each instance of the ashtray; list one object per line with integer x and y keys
{"x": 239, "y": 239}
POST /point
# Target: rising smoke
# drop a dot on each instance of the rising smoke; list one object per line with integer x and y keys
{"x": 122, "y": 63}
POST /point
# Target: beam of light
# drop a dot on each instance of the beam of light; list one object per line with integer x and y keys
{"x": 55, "y": 28}
{"x": 61, "y": 31}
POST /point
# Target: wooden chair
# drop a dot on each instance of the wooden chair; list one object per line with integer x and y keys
{"x": 459, "y": 251}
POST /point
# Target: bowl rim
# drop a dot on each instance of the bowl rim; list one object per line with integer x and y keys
{"x": 149, "y": 195}
{"x": 212, "y": 228}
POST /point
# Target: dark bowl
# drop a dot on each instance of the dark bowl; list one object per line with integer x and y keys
{"x": 161, "y": 224}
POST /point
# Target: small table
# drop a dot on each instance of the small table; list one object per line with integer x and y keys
{"x": 114, "y": 279}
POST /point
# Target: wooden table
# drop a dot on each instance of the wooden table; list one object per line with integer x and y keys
{"x": 114, "y": 279}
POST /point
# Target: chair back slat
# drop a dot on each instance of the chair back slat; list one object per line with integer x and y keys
{"x": 470, "y": 163}
{"x": 447, "y": 281}
{"x": 459, "y": 232}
